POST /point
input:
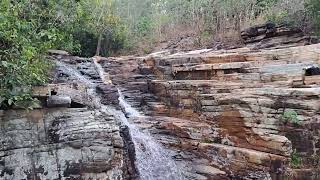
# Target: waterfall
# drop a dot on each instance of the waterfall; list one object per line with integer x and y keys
{"x": 103, "y": 76}
{"x": 74, "y": 73}
{"x": 131, "y": 112}
{"x": 152, "y": 159}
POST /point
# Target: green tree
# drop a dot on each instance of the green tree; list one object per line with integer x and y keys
{"x": 27, "y": 30}
{"x": 313, "y": 8}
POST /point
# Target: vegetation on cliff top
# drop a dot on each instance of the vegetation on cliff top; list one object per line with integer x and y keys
{"x": 28, "y": 28}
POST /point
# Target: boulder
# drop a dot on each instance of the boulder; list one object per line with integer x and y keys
{"x": 58, "y": 101}
{"x": 208, "y": 170}
{"x": 271, "y": 35}
{"x": 58, "y": 52}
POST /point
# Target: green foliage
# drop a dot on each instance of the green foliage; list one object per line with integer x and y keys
{"x": 88, "y": 27}
{"x": 313, "y": 9}
{"x": 171, "y": 19}
{"x": 114, "y": 39}
{"x": 291, "y": 116}
{"x": 144, "y": 26}
{"x": 295, "y": 160}
{"x": 282, "y": 17}
{"x": 87, "y": 41}
{"x": 208, "y": 141}
{"x": 99, "y": 24}
{"x": 266, "y": 4}
{"x": 27, "y": 30}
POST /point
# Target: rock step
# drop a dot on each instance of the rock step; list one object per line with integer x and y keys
{"x": 191, "y": 134}
{"x": 241, "y": 157}
{"x": 210, "y": 171}
{"x": 265, "y": 138}
{"x": 267, "y": 73}
{"x": 243, "y": 55}
{"x": 284, "y": 65}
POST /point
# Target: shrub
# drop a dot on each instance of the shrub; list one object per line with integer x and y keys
{"x": 144, "y": 26}
{"x": 295, "y": 160}
{"x": 313, "y": 9}
{"x": 291, "y": 116}
{"x": 27, "y": 30}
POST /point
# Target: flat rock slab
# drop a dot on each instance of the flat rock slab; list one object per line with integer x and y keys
{"x": 208, "y": 170}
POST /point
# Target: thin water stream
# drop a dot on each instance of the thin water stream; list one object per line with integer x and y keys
{"x": 153, "y": 161}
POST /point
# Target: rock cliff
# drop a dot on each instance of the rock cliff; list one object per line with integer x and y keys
{"x": 60, "y": 144}
{"x": 70, "y": 136}
{"x": 271, "y": 35}
{"x": 235, "y": 114}
{"x": 244, "y": 113}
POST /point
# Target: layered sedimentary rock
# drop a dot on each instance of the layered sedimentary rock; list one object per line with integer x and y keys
{"x": 271, "y": 35}
{"x": 71, "y": 135}
{"x": 233, "y": 114}
{"x": 60, "y": 144}
{"x": 228, "y": 114}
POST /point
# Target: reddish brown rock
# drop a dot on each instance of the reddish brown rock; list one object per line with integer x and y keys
{"x": 224, "y": 112}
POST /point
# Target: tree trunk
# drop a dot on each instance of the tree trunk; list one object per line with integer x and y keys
{"x": 99, "y": 45}
{"x": 238, "y": 24}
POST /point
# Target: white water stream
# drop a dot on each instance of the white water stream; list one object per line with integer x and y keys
{"x": 153, "y": 161}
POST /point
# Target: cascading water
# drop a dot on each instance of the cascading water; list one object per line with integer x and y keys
{"x": 73, "y": 72}
{"x": 102, "y": 74}
{"x": 79, "y": 77}
{"x": 152, "y": 160}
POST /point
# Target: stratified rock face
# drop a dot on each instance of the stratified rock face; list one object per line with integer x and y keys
{"x": 229, "y": 114}
{"x": 60, "y": 144}
{"x": 271, "y": 35}
{"x": 235, "y": 114}
{"x": 72, "y": 135}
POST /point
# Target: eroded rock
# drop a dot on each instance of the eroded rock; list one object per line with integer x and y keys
{"x": 271, "y": 35}
{"x": 227, "y": 106}
{"x": 60, "y": 144}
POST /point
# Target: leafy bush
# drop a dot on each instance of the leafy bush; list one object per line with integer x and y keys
{"x": 144, "y": 25}
{"x": 27, "y": 30}
{"x": 87, "y": 41}
{"x": 291, "y": 116}
{"x": 313, "y": 9}
{"x": 295, "y": 160}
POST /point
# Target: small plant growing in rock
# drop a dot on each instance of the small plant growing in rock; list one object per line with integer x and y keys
{"x": 295, "y": 160}
{"x": 216, "y": 140}
{"x": 290, "y": 116}
{"x": 207, "y": 141}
